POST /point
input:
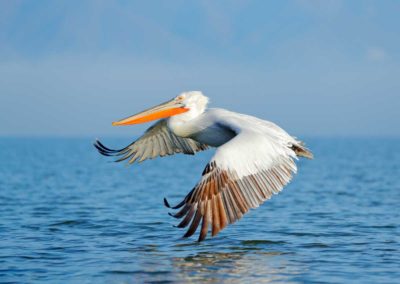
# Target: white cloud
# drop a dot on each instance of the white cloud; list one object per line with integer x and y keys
{"x": 376, "y": 54}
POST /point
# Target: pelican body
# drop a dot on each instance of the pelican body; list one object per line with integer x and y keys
{"x": 254, "y": 158}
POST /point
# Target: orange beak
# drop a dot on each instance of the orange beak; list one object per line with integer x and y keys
{"x": 163, "y": 110}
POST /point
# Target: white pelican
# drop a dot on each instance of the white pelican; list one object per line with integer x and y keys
{"x": 254, "y": 158}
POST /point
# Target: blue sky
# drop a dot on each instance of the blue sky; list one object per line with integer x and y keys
{"x": 317, "y": 68}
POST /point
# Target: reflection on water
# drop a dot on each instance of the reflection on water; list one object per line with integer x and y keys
{"x": 239, "y": 267}
{"x": 241, "y": 261}
{"x": 68, "y": 216}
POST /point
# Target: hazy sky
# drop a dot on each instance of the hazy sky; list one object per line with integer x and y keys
{"x": 70, "y": 68}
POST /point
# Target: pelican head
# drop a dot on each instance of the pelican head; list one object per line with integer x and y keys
{"x": 187, "y": 104}
{"x": 194, "y": 100}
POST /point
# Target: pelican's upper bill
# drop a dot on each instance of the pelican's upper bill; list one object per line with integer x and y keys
{"x": 164, "y": 110}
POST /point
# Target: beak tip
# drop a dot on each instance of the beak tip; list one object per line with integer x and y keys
{"x": 114, "y": 123}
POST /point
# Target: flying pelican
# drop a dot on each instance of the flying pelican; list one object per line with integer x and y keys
{"x": 254, "y": 158}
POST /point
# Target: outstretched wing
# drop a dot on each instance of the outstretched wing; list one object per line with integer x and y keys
{"x": 158, "y": 140}
{"x": 243, "y": 173}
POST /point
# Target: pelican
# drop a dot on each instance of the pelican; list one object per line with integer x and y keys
{"x": 254, "y": 158}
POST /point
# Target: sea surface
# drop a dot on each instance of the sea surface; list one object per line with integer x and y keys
{"x": 69, "y": 215}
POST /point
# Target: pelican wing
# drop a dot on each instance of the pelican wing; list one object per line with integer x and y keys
{"x": 158, "y": 140}
{"x": 243, "y": 173}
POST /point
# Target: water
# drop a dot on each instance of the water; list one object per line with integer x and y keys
{"x": 68, "y": 215}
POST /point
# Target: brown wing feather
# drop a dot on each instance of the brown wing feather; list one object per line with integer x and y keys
{"x": 221, "y": 198}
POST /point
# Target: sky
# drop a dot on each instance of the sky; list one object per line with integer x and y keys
{"x": 316, "y": 68}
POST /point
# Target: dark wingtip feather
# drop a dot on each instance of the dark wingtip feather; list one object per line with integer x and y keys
{"x": 166, "y": 204}
{"x": 193, "y": 226}
{"x": 181, "y": 213}
{"x": 100, "y": 149}
{"x": 187, "y": 218}
{"x": 302, "y": 151}
{"x": 179, "y": 205}
{"x": 105, "y": 151}
{"x": 104, "y": 148}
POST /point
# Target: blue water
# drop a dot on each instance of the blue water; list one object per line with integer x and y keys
{"x": 67, "y": 215}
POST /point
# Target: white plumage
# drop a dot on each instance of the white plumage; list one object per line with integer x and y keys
{"x": 254, "y": 158}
